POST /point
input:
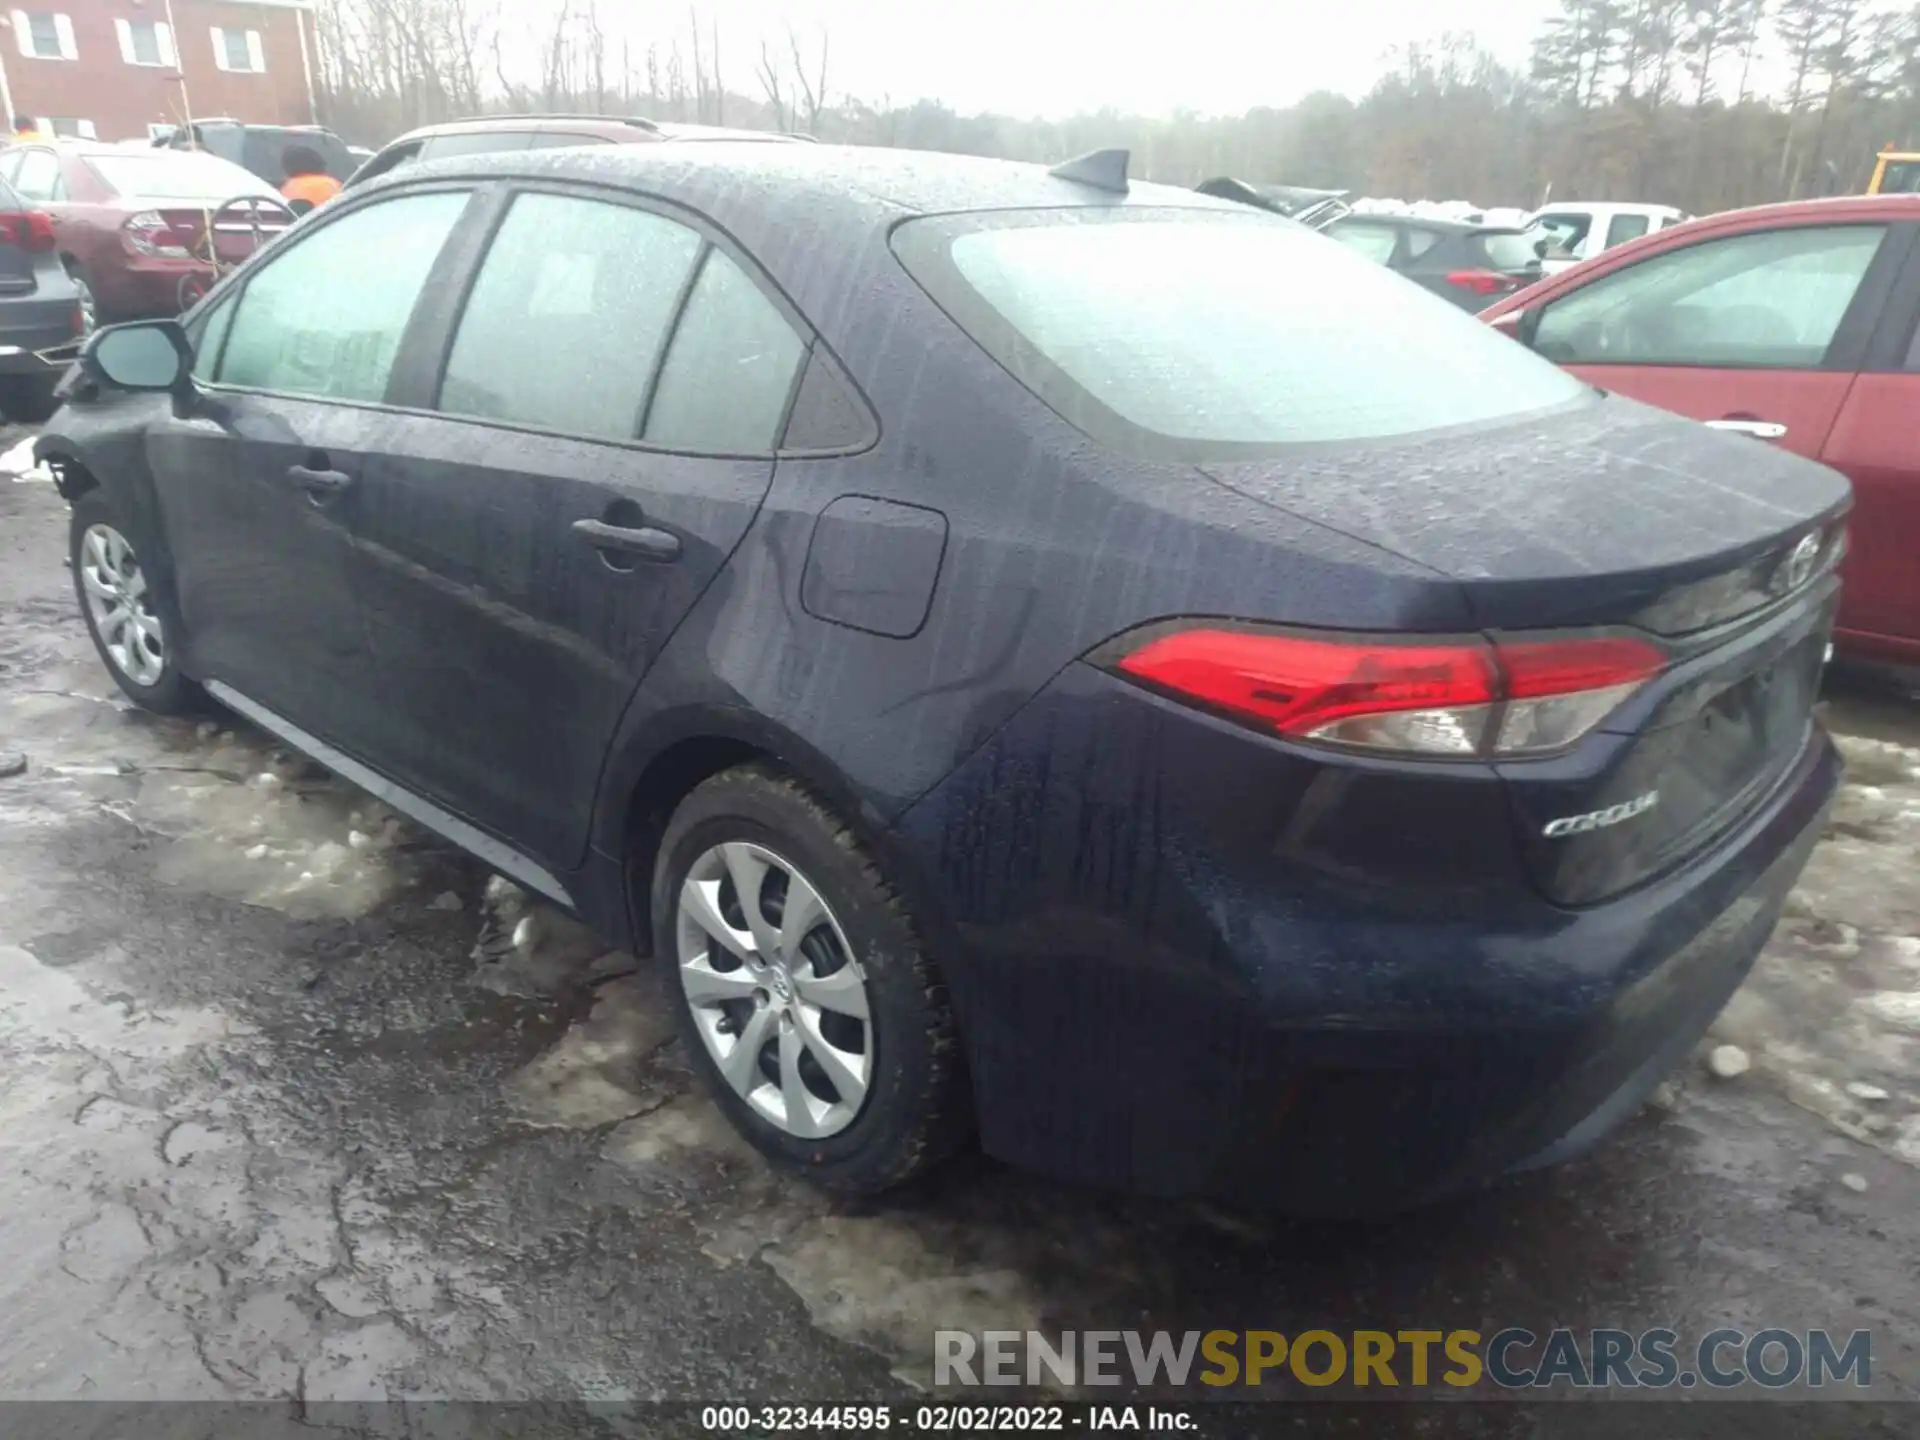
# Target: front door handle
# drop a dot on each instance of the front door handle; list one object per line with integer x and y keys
{"x": 648, "y": 542}
{"x": 319, "y": 482}
{"x": 1758, "y": 429}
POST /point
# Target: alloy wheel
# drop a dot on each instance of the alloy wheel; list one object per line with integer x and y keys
{"x": 774, "y": 989}
{"x": 120, "y": 605}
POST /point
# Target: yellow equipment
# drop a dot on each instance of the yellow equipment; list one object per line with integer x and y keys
{"x": 1898, "y": 173}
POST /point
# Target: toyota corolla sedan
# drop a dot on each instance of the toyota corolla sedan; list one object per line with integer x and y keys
{"x": 1077, "y": 664}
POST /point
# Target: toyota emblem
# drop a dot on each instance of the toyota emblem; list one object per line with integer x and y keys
{"x": 1798, "y": 567}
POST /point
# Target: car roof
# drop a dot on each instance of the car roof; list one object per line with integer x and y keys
{"x": 614, "y": 127}
{"x": 734, "y": 181}
{"x": 1831, "y": 207}
{"x": 811, "y": 214}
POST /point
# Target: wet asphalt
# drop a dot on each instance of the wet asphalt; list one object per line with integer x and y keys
{"x": 335, "y": 1139}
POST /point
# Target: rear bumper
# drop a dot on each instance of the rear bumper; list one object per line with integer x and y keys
{"x": 1167, "y": 981}
{"x": 28, "y": 326}
{"x": 146, "y": 287}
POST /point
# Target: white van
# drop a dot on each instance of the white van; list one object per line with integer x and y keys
{"x": 1579, "y": 231}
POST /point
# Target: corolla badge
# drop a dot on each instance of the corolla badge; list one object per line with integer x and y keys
{"x": 1798, "y": 567}
{"x": 1601, "y": 819}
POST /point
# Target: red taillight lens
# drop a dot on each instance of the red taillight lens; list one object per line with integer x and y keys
{"x": 30, "y": 230}
{"x": 1444, "y": 697}
{"x": 1482, "y": 282}
{"x": 150, "y": 233}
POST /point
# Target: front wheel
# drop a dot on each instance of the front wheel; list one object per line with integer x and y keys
{"x": 805, "y": 998}
{"x": 122, "y": 610}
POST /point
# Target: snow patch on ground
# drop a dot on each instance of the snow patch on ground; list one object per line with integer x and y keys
{"x": 1831, "y": 1013}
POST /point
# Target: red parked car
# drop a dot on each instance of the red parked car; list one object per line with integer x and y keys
{"x": 131, "y": 223}
{"x": 1795, "y": 324}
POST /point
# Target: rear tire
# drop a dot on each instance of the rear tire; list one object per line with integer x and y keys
{"x": 133, "y": 629}
{"x": 830, "y": 1045}
{"x": 90, "y": 317}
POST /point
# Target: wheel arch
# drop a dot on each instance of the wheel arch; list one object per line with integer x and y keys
{"x": 665, "y": 760}
{"x": 72, "y": 475}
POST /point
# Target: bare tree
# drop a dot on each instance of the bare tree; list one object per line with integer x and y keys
{"x": 770, "y": 84}
{"x": 812, "y": 93}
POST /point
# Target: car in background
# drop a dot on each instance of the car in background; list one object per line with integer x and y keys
{"x": 1024, "y": 649}
{"x": 1797, "y": 325}
{"x": 496, "y": 134}
{"x": 264, "y": 149}
{"x": 1470, "y": 265}
{"x": 1313, "y": 208}
{"x": 132, "y": 224}
{"x": 1580, "y": 231}
{"x": 39, "y": 309}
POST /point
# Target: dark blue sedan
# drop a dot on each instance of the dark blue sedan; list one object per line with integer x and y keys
{"x": 1087, "y": 665}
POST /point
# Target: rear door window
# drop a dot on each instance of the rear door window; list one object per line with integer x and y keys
{"x": 730, "y": 372}
{"x": 1254, "y": 335}
{"x": 324, "y": 317}
{"x": 568, "y": 316}
{"x": 1366, "y": 237}
{"x": 1622, "y": 228}
{"x": 39, "y": 177}
{"x": 1769, "y": 298}
{"x": 1416, "y": 242}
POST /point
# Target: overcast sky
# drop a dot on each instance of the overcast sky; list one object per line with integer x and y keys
{"x": 1056, "y": 57}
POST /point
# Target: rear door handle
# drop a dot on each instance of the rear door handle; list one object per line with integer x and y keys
{"x": 319, "y": 482}
{"x": 649, "y": 542}
{"x": 1758, "y": 429}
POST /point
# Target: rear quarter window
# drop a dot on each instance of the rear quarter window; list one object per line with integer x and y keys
{"x": 1255, "y": 334}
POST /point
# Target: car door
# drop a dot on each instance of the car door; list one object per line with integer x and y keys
{"x": 1760, "y": 331}
{"x": 255, "y": 482}
{"x": 1875, "y": 443}
{"x": 602, "y": 435}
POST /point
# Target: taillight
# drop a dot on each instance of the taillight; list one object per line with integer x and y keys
{"x": 30, "y": 230}
{"x": 1458, "y": 697}
{"x": 1482, "y": 282}
{"x": 148, "y": 233}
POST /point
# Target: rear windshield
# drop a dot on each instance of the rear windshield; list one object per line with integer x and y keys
{"x": 1511, "y": 249}
{"x": 176, "y": 175}
{"x": 1214, "y": 334}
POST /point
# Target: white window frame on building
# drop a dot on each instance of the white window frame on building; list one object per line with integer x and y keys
{"x": 223, "y": 55}
{"x": 24, "y": 37}
{"x": 68, "y": 127}
{"x": 131, "y": 32}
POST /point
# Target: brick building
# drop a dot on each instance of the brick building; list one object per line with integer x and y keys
{"x": 127, "y": 69}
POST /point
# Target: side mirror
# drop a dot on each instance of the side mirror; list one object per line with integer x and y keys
{"x": 140, "y": 355}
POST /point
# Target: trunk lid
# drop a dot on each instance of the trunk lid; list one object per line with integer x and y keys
{"x": 236, "y": 234}
{"x": 1615, "y": 515}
